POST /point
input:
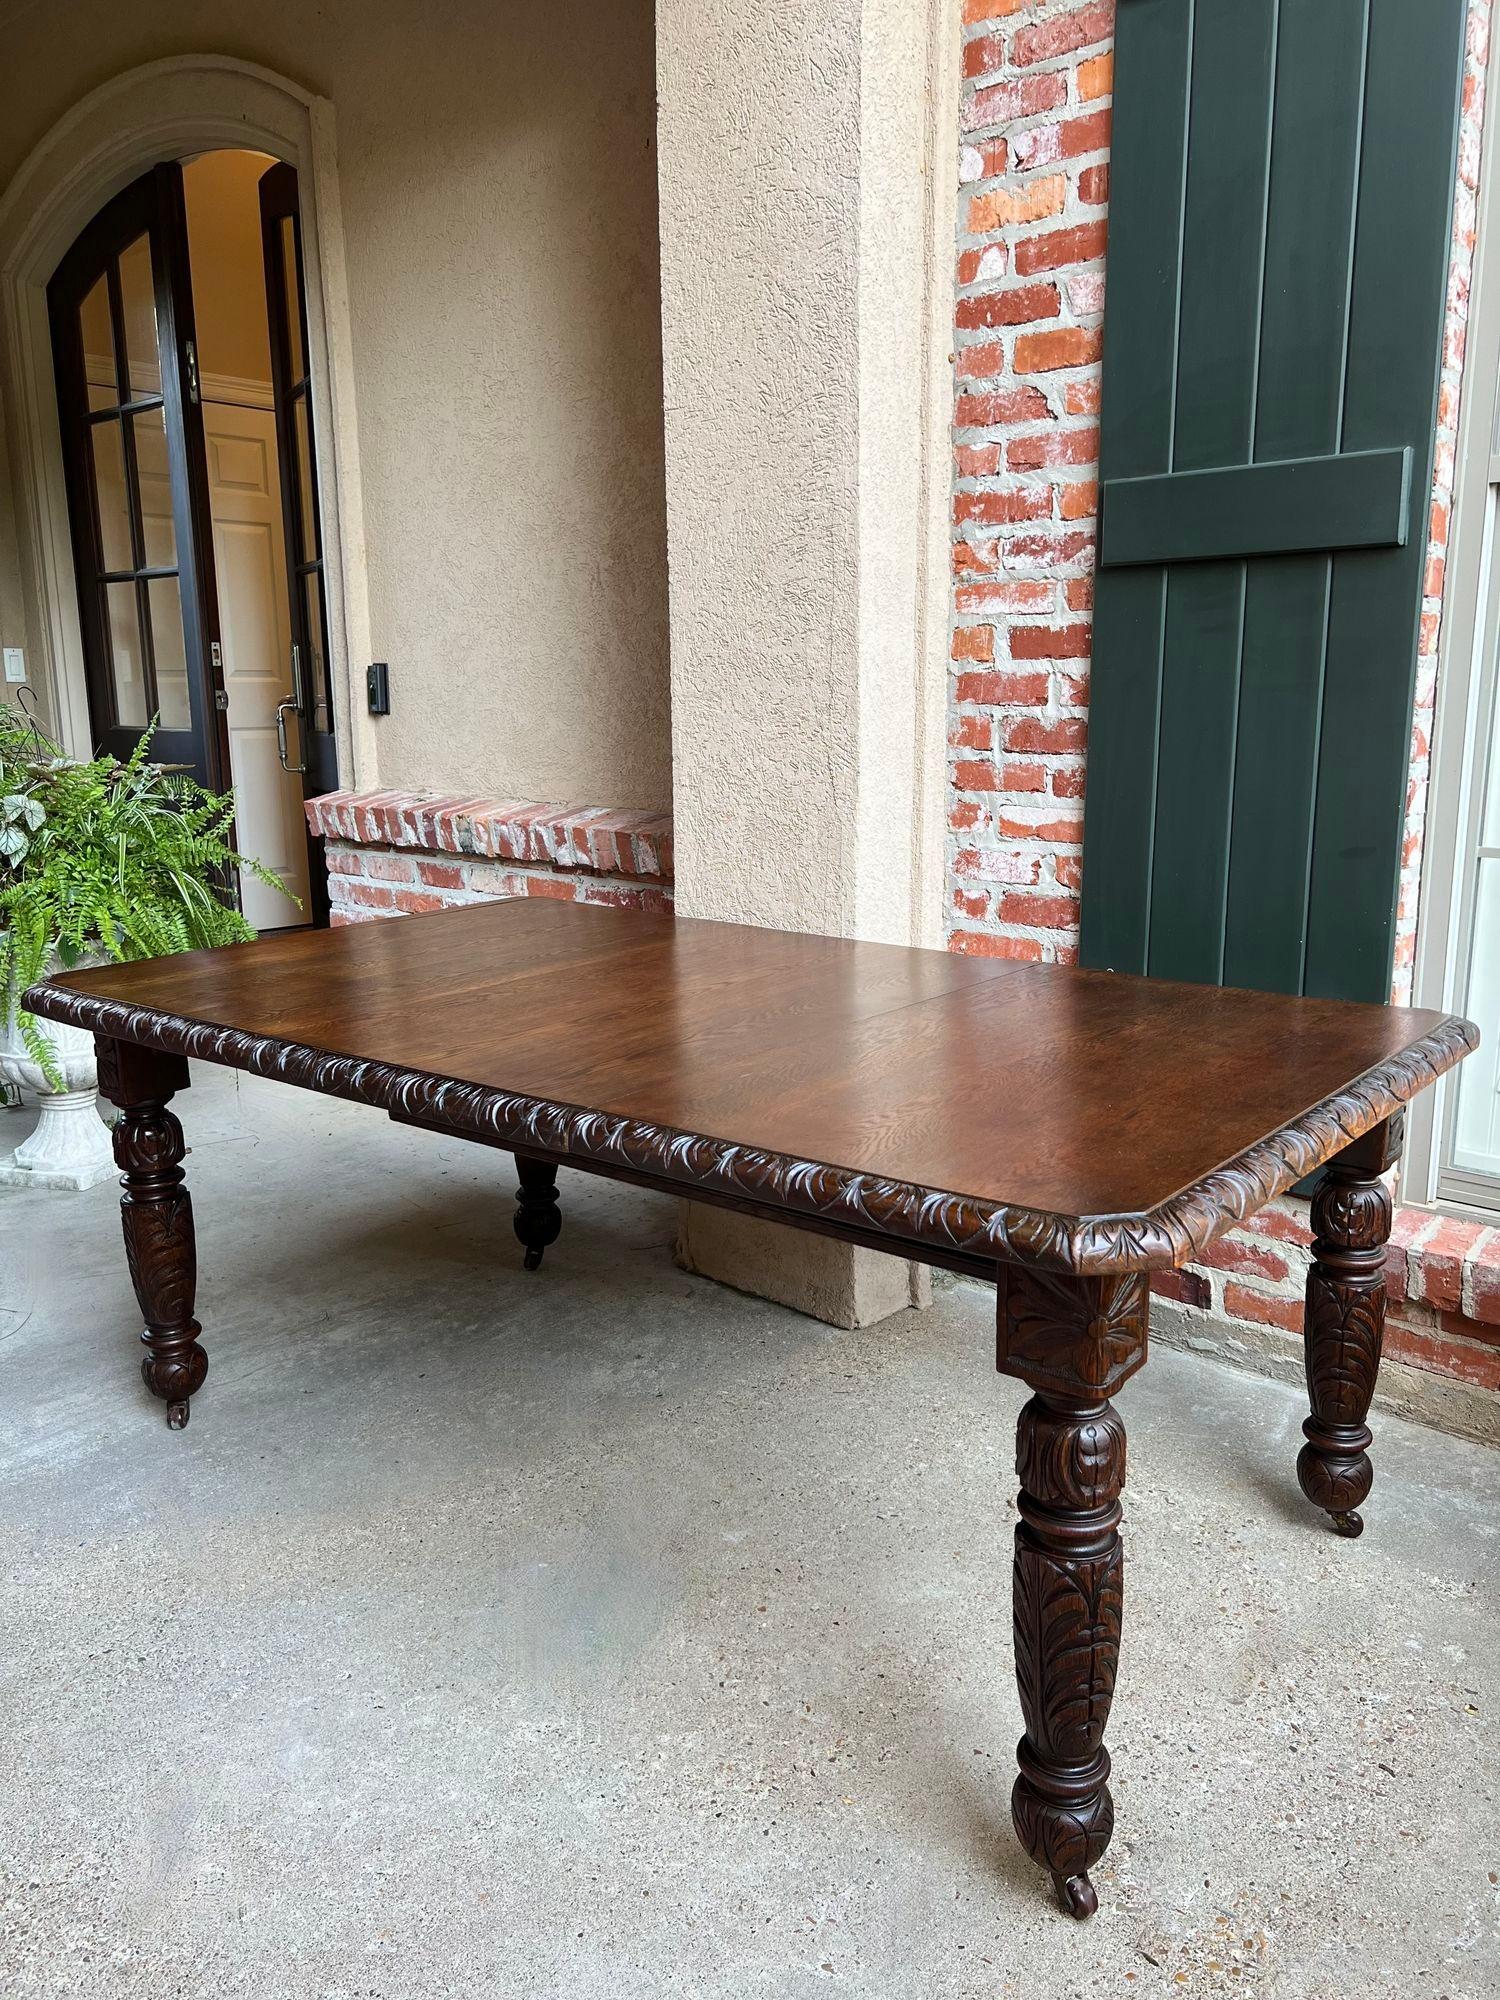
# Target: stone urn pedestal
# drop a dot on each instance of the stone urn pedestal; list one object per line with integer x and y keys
{"x": 70, "y": 1147}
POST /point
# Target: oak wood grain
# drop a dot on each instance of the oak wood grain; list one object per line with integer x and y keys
{"x": 1077, "y": 1120}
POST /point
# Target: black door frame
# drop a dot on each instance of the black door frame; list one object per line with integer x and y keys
{"x": 301, "y": 508}
{"x": 152, "y": 206}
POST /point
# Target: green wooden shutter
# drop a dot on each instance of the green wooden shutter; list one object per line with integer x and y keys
{"x": 1281, "y": 187}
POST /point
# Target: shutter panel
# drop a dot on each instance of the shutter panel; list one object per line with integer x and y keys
{"x": 1281, "y": 183}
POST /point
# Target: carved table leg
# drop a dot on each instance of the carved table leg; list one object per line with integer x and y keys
{"x": 1345, "y": 1323}
{"x": 538, "y": 1221}
{"x": 1069, "y": 1601}
{"x": 157, "y": 1213}
{"x": 1072, "y": 1340}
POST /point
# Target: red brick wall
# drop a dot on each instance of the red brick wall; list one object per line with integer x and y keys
{"x": 1033, "y": 206}
{"x": 1034, "y": 179}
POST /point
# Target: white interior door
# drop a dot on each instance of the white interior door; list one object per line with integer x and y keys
{"x": 245, "y": 496}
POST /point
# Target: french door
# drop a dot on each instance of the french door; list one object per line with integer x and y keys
{"x": 125, "y": 354}
{"x": 286, "y": 302}
{"x": 310, "y": 707}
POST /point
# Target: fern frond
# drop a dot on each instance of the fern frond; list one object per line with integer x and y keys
{"x": 122, "y": 860}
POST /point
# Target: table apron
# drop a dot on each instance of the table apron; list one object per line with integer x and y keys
{"x": 964, "y": 1262}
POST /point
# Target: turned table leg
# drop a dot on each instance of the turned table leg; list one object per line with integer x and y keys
{"x": 1345, "y": 1323}
{"x": 538, "y": 1219}
{"x": 1072, "y": 1340}
{"x": 157, "y": 1213}
{"x": 1069, "y": 1601}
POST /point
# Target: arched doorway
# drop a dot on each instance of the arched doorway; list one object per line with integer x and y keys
{"x": 180, "y": 349}
{"x": 178, "y": 115}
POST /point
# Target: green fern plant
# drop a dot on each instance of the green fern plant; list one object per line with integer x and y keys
{"x": 106, "y": 860}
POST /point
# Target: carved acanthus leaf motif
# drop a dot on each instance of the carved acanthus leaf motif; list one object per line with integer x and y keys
{"x": 148, "y": 1141}
{"x": 1068, "y": 1461}
{"x": 1068, "y": 1599}
{"x": 1071, "y": 1333}
{"x": 1344, "y": 1327}
{"x": 1068, "y": 1616}
{"x": 156, "y": 1214}
{"x": 1168, "y": 1235}
{"x": 160, "y": 1249}
{"x": 107, "y": 1057}
{"x": 1065, "y": 1840}
{"x": 1352, "y": 1215}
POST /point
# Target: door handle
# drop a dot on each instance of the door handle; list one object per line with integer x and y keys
{"x": 281, "y": 749}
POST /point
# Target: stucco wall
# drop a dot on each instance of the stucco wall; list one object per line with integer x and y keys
{"x": 759, "y": 289}
{"x": 498, "y": 185}
{"x": 798, "y": 219}
{"x": 796, "y": 210}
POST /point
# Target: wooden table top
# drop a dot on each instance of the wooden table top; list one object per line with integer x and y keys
{"x": 1083, "y": 1121}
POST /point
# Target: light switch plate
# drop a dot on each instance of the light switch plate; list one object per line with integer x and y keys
{"x": 15, "y": 664}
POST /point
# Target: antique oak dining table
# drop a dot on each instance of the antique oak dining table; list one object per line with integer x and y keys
{"x": 1059, "y": 1133}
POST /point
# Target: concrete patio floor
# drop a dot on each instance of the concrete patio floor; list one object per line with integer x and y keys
{"x": 606, "y": 1633}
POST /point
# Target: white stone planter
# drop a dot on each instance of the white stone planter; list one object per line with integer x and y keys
{"x": 70, "y": 1147}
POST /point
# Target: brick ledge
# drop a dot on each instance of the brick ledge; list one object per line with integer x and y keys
{"x": 1442, "y": 1279}
{"x": 1445, "y": 1262}
{"x": 598, "y": 839}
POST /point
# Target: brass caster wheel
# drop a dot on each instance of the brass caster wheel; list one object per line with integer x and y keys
{"x": 1349, "y": 1525}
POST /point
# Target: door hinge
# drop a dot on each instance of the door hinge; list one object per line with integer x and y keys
{"x": 192, "y": 372}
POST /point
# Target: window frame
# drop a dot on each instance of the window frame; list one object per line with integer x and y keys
{"x": 1464, "y": 722}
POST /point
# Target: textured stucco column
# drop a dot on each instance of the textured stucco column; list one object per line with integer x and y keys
{"x": 806, "y": 305}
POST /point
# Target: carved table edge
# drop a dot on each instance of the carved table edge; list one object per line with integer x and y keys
{"x": 1158, "y": 1238}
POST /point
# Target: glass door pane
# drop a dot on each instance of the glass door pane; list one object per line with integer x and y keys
{"x": 138, "y": 308}
{"x": 307, "y": 498}
{"x": 127, "y": 655}
{"x": 148, "y": 430}
{"x": 121, "y": 309}
{"x": 169, "y": 654}
{"x": 291, "y": 297}
{"x": 112, "y": 496}
{"x": 319, "y": 706}
{"x": 96, "y": 330}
